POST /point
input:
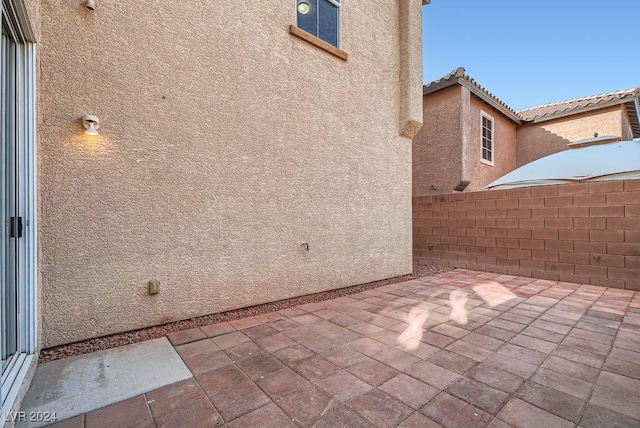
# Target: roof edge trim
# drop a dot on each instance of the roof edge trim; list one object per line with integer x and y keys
{"x": 459, "y": 77}
{"x": 488, "y": 100}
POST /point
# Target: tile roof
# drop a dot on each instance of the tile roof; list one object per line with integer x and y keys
{"x": 593, "y": 101}
{"x": 459, "y": 76}
{"x": 629, "y": 97}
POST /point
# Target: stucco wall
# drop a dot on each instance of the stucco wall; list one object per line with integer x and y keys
{"x": 504, "y": 161}
{"x": 410, "y": 45}
{"x": 437, "y": 148}
{"x": 537, "y": 140}
{"x": 447, "y": 148}
{"x": 225, "y": 144}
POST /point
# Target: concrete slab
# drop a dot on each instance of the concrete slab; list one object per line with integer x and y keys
{"x": 77, "y": 385}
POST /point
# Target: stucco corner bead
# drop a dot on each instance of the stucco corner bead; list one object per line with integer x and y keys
{"x": 410, "y": 128}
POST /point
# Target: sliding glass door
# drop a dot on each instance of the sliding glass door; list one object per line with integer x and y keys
{"x": 17, "y": 202}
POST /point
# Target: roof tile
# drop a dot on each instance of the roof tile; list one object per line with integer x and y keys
{"x": 629, "y": 97}
{"x": 566, "y": 106}
{"x": 460, "y": 73}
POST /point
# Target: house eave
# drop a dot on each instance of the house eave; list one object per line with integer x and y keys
{"x": 435, "y": 87}
{"x": 445, "y": 83}
{"x": 488, "y": 100}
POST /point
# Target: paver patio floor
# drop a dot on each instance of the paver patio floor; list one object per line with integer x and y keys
{"x": 459, "y": 349}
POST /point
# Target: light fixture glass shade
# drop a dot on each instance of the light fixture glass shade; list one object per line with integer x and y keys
{"x": 91, "y": 124}
{"x": 91, "y": 129}
{"x": 303, "y": 7}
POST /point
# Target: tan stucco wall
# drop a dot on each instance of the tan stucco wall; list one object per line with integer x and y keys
{"x": 225, "y": 144}
{"x": 410, "y": 67}
{"x": 537, "y": 140}
{"x": 437, "y": 149}
{"x": 478, "y": 173}
{"x": 447, "y": 148}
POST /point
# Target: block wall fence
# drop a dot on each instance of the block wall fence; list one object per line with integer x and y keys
{"x": 586, "y": 233}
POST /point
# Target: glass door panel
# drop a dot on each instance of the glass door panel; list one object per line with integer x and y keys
{"x": 9, "y": 323}
{"x": 17, "y": 202}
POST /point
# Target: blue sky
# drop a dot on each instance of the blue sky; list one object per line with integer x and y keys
{"x": 531, "y": 53}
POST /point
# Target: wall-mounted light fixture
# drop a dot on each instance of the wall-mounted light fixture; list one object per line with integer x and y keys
{"x": 303, "y": 7}
{"x": 90, "y": 4}
{"x": 91, "y": 124}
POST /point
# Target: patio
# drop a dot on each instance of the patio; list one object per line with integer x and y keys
{"x": 459, "y": 349}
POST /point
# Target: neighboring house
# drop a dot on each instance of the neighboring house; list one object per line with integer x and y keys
{"x": 470, "y": 136}
{"x": 548, "y": 128}
{"x": 243, "y": 155}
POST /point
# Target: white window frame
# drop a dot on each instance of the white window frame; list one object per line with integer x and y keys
{"x": 336, "y": 4}
{"x": 25, "y": 357}
{"x": 339, "y": 35}
{"x": 484, "y": 115}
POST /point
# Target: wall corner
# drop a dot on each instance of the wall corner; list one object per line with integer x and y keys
{"x": 410, "y": 128}
{"x": 410, "y": 67}
{"x": 465, "y": 132}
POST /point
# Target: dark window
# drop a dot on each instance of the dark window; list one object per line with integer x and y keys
{"x": 320, "y": 18}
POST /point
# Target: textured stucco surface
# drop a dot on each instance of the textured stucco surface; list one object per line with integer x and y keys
{"x": 225, "y": 144}
{"x": 504, "y": 141}
{"x": 537, "y": 140}
{"x": 437, "y": 148}
{"x": 447, "y": 148}
{"x": 410, "y": 67}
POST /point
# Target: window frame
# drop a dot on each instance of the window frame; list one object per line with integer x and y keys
{"x": 483, "y": 116}
{"x": 339, "y": 24}
{"x": 338, "y": 5}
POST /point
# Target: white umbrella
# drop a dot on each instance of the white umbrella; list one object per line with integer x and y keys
{"x": 602, "y": 162}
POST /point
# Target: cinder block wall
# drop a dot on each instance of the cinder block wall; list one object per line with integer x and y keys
{"x": 585, "y": 233}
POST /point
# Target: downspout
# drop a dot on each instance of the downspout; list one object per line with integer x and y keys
{"x": 410, "y": 23}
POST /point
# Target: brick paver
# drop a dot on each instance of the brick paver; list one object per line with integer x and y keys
{"x": 458, "y": 349}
